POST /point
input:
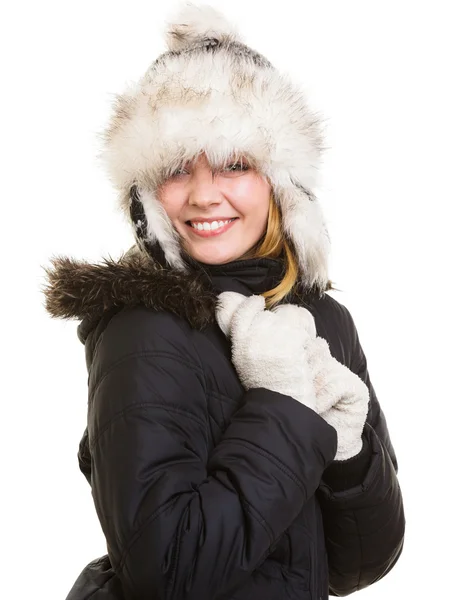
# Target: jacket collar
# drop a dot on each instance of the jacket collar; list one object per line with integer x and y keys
{"x": 246, "y": 276}
{"x": 79, "y": 290}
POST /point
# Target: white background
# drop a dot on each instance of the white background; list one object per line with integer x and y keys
{"x": 378, "y": 71}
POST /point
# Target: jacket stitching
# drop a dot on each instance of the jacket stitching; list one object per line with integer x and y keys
{"x": 99, "y": 589}
{"x": 386, "y": 525}
{"x": 250, "y": 508}
{"x": 121, "y": 413}
{"x": 222, "y": 413}
{"x": 272, "y": 458}
{"x": 140, "y": 531}
{"x": 220, "y": 396}
{"x": 360, "y": 550}
{"x": 246, "y": 505}
{"x": 143, "y": 354}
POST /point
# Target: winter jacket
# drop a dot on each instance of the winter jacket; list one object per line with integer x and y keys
{"x": 205, "y": 491}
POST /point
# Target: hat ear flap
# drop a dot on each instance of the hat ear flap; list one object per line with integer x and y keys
{"x": 304, "y": 224}
{"x": 152, "y": 226}
{"x": 137, "y": 215}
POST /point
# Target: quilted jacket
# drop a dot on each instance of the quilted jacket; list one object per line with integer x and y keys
{"x": 205, "y": 491}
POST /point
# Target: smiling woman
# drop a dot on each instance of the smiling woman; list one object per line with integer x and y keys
{"x": 235, "y": 445}
{"x": 219, "y": 214}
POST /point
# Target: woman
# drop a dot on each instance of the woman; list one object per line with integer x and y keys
{"x": 235, "y": 445}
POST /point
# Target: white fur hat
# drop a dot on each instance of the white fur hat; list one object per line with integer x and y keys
{"x": 211, "y": 93}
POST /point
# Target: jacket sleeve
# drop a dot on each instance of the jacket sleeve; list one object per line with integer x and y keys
{"x": 184, "y": 518}
{"x": 361, "y": 499}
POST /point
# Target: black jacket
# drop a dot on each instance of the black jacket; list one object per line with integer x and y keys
{"x": 205, "y": 491}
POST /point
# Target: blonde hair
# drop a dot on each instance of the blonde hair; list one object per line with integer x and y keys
{"x": 273, "y": 245}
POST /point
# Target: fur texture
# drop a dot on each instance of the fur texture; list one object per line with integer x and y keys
{"x": 282, "y": 352}
{"x": 342, "y": 397}
{"x": 77, "y": 289}
{"x": 268, "y": 347}
{"x": 221, "y": 98}
{"x": 194, "y": 24}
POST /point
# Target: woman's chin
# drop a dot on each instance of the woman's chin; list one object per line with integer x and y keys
{"x": 213, "y": 256}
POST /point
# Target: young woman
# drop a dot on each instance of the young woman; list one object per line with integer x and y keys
{"x": 235, "y": 445}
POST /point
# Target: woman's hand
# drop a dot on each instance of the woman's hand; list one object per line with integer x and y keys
{"x": 268, "y": 347}
{"x": 279, "y": 350}
{"x": 342, "y": 397}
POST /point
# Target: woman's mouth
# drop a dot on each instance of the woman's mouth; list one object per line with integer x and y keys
{"x": 206, "y": 229}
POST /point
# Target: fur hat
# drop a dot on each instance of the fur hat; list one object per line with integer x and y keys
{"x": 211, "y": 93}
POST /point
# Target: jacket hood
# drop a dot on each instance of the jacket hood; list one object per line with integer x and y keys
{"x": 77, "y": 289}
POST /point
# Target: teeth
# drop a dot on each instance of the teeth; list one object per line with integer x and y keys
{"x": 210, "y": 226}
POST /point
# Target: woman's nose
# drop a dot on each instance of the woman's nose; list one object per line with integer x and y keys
{"x": 204, "y": 191}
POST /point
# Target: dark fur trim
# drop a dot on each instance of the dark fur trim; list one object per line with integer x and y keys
{"x": 78, "y": 289}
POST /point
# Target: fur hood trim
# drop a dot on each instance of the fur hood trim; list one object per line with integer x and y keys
{"x": 78, "y": 289}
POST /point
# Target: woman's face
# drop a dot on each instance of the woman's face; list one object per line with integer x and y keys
{"x": 199, "y": 204}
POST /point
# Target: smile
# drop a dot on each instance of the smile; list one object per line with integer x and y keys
{"x": 207, "y": 229}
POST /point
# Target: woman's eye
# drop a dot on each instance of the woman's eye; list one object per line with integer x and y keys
{"x": 180, "y": 172}
{"x": 237, "y": 166}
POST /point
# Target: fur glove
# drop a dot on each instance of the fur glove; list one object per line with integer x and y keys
{"x": 342, "y": 397}
{"x": 268, "y": 347}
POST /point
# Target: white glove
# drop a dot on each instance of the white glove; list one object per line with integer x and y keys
{"x": 342, "y": 397}
{"x": 268, "y": 347}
